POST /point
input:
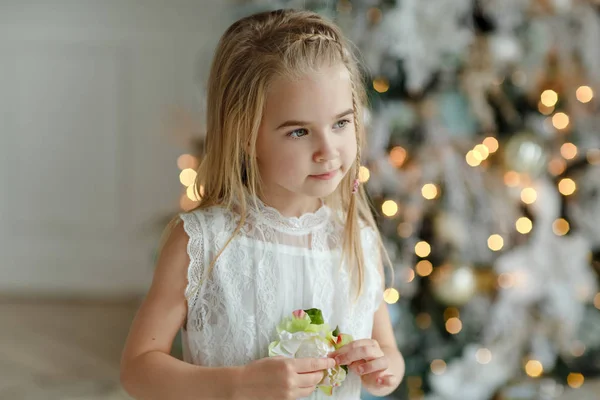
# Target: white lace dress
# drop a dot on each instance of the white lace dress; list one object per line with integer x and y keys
{"x": 274, "y": 266}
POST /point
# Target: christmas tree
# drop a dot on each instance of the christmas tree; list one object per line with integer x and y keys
{"x": 484, "y": 166}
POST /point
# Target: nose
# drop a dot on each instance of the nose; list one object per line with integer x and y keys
{"x": 326, "y": 149}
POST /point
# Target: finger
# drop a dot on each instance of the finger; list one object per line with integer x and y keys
{"x": 354, "y": 345}
{"x": 376, "y": 365}
{"x": 355, "y": 364}
{"x": 310, "y": 379}
{"x": 367, "y": 353}
{"x": 388, "y": 380}
{"x": 312, "y": 364}
{"x": 304, "y": 392}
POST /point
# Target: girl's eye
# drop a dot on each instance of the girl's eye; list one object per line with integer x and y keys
{"x": 341, "y": 123}
{"x": 298, "y": 133}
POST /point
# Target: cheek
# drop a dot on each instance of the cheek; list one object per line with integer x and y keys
{"x": 350, "y": 151}
{"x": 281, "y": 164}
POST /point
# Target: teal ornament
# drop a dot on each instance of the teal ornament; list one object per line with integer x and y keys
{"x": 401, "y": 117}
{"x": 455, "y": 114}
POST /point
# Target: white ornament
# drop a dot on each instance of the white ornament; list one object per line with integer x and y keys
{"x": 454, "y": 286}
{"x": 505, "y": 49}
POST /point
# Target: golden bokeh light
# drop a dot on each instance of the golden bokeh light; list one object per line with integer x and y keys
{"x": 491, "y": 143}
{"x": 524, "y": 225}
{"x": 567, "y": 186}
{"x": 389, "y": 208}
{"x": 528, "y": 195}
{"x": 481, "y": 152}
{"x": 560, "y": 227}
{"x": 381, "y": 85}
{"x": 391, "y": 296}
{"x": 584, "y": 94}
{"x": 471, "y": 159}
{"x": 398, "y": 156}
{"x": 549, "y": 98}
{"x": 422, "y": 249}
{"x": 560, "y": 120}
{"x": 187, "y": 177}
{"x": 477, "y": 156}
{"x": 495, "y": 242}
{"x": 568, "y": 151}
{"x": 534, "y": 368}
{"x": 424, "y": 268}
{"x": 575, "y": 380}
{"x": 363, "y": 174}
{"x": 453, "y": 325}
{"x": 429, "y": 191}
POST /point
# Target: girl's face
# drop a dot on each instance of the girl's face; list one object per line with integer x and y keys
{"x": 307, "y": 140}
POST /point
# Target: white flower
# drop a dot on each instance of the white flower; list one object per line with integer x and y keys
{"x": 335, "y": 376}
{"x": 306, "y": 335}
{"x": 301, "y": 345}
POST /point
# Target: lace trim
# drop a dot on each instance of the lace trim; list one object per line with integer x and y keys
{"x": 195, "y": 250}
{"x": 306, "y": 223}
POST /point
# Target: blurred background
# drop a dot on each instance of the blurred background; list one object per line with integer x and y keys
{"x": 483, "y": 164}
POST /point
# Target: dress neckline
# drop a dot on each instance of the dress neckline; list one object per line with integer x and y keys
{"x": 304, "y": 224}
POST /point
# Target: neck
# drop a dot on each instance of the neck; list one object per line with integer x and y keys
{"x": 291, "y": 205}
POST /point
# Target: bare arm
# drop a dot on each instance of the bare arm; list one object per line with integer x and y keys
{"x": 383, "y": 333}
{"x": 148, "y": 371}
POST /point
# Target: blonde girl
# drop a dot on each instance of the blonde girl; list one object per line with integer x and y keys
{"x": 282, "y": 225}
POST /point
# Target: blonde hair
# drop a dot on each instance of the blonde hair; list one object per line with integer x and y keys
{"x": 250, "y": 54}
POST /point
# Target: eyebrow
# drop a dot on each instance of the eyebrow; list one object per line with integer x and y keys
{"x": 299, "y": 123}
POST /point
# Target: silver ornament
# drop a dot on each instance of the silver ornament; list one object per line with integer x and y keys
{"x": 454, "y": 285}
{"x": 525, "y": 153}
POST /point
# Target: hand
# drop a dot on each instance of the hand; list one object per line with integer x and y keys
{"x": 366, "y": 359}
{"x": 281, "y": 378}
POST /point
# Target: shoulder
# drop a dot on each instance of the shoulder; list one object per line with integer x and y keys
{"x": 173, "y": 261}
{"x": 205, "y": 220}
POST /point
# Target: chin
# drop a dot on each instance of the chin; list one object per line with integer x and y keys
{"x": 322, "y": 189}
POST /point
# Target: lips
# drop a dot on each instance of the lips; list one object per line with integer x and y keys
{"x": 325, "y": 176}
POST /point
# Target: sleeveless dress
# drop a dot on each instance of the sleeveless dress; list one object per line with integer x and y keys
{"x": 274, "y": 266}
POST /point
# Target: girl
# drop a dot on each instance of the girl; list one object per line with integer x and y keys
{"x": 282, "y": 225}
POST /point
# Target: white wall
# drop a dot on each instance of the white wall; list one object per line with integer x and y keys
{"x": 86, "y": 168}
